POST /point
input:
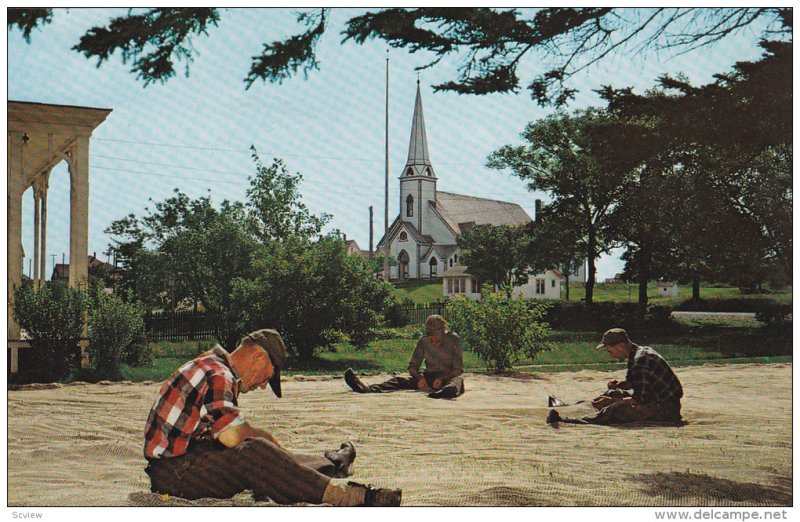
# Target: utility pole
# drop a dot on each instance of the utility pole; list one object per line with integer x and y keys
{"x": 386, "y": 184}
{"x": 54, "y": 266}
{"x": 371, "y": 233}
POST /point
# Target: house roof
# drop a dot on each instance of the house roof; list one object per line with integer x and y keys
{"x": 462, "y": 212}
{"x": 456, "y": 271}
{"x": 60, "y": 272}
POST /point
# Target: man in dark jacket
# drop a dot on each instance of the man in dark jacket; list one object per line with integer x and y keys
{"x": 656, "y": 389}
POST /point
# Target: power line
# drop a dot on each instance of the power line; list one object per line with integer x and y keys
{"x": 244, "y": 182}
{"x": 264, "y": 153}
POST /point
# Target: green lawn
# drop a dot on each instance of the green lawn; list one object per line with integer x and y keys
{"x": 427, "y": 291}
{"x": 629, "y": 292}
{"x": 421, "y": 291}
{"x": 721, "y": 343}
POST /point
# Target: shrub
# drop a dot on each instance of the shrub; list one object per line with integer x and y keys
{"x": 53, "y": 318}
{"x": 752, "y": 304}
{"x": 140, "y": 353}
{"x": 113, "y": 327}
{"x": 603, "y": 315}
{"x": 498, "y": 330}
{"x": 776, "y": 316}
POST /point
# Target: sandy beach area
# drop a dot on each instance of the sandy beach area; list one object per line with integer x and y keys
{"x": 81, "y": 444}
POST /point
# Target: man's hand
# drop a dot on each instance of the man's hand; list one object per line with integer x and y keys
{"x": 233, "y": 435}
{"x": 613, "y": 384}
{"x": 602, "y": 402}
{"x": 437, "y": 384}
{"x": 422, "y": 384}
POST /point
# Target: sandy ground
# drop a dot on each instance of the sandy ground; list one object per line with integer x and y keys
{"x": 81, "y": 444}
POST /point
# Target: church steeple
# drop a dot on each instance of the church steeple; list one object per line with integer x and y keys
{"x": 419, "y": 161}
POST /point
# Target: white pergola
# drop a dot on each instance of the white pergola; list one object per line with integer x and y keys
{"x": 40, "y": 136}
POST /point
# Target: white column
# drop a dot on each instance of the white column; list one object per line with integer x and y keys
{"x": 44, "y": 187}
{"x": 79, "y": 225}
{"x": 36, "y": 232}
{"x": 14, "y": 191}
{"x": 79, "y": 214}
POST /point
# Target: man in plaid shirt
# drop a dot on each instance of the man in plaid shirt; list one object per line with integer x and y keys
{"x": 198, "y": 443}
{"x": 656, "y": 389}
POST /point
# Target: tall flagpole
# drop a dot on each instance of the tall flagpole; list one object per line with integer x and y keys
{"x": 386, "y": 185}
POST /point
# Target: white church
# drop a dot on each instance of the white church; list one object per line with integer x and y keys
{"x": 422, "y": 238}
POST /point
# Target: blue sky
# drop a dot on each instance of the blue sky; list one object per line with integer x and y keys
{"x": 194, "y": 132}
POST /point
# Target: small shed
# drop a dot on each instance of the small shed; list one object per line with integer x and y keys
{"x": 668, "y": 289}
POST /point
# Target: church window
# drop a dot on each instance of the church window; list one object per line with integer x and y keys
{"x": 455, "y": 258}
{"x": 428, "y": 171}
{"x": 540, "y": 286}
{"x": 434, "y": 266}
{"x": 403, "y": 236}
{"x": 476, "y": 285}
{"x": 410, "y": 205}
{"x": 410, "y": 172}
{"x": 451, "y": 262}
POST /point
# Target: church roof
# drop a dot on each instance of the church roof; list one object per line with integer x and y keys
{"x": 418, "y": 145}
{"x": 444, "y": 251}
{"x": 462, "y": 212}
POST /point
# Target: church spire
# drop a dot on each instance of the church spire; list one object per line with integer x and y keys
{"x": 418, "y": 157}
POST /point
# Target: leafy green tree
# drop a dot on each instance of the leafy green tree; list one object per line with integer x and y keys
{"x": 275, "y": 207}
{"x": 499, "y": 330}
{"x": 496, "y": 254}
{"x": 725, "y": 149}
{"x": 53, "y": 317}
{"x": 555, "y": 242}
{"x": 314, "y": 293}
{"x": 492, "y": 43}
{"x": 583, "y": 182}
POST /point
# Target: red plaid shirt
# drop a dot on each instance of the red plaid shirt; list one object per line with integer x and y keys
{"x": 197, "y": 402}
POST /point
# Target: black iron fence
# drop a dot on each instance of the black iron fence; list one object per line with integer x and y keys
{"x": 416, "y": 313}
{"x": 183, "y": 325}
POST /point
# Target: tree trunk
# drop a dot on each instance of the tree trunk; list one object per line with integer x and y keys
{"x": 590, "y": 259}
{"x": 644, "y": 276}
{"x": 566, "y": 283}
{"x": 696, "y": 287}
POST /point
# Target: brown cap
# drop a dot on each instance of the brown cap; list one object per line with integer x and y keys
{"x": 270, "y": 340}
{"x": 614, "y": 336}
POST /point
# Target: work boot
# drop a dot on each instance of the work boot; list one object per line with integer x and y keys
{"x": 448, "y": 392}
{"x": 553, "y": 417}
{"x": 379, "y": 497}
{"x": 343, "y": 459}
{"x": 354, "y": 382}
{"x": 553, "y": 402}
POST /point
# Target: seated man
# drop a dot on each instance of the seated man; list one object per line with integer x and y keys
{"x": 656, "y": 389}
{"x": 198, "y": 444}
{"x": 444, "y": 364}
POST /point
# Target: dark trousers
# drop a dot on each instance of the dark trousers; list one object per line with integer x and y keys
{"x": 409, "y": 383}
{"x": 210, "y": 470}
{"x": 623, "y": 412}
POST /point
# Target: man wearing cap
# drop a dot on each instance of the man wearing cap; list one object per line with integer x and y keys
{"x": 199, "y": 445}
{"x": 441, "y": 352}
{"x": 656, "y": 389}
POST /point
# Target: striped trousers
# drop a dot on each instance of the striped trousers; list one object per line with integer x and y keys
{"x": 210, "y": 470}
